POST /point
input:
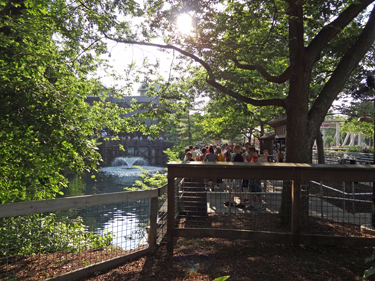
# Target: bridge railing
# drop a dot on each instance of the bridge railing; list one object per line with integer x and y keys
{"x": 73, "y": 237}
{"x": 285, "y": 202}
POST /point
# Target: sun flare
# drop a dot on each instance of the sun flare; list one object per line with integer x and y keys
{"x": 184, "y": 23}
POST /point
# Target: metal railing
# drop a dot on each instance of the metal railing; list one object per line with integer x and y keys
{"x": 334, "y": 157}
{"x": 280, "y": 202}
{"x": 45, "y": 239}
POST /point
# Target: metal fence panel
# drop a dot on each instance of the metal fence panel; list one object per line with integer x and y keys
{"x": 242, "y": 204}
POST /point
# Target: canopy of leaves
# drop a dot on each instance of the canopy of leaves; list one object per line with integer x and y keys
{"x": 48, "y": 49}
{"x": 354, "y": 126}
{"x": 227, "y": 119}
{"x": 291, "y": 54}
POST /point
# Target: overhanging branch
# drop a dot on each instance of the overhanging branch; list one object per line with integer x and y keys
{"x": 276, "y": 79}
{"x": 221, "y": 88}
{"x": 165, "y": 46}
{"x": 329, "y": 31}
{"x": 342, "y": 72}
{"x": 211, "y": 81}
{"x": 359, "y": 93}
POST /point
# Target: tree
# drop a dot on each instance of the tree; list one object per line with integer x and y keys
{"x": 355, "y": 110}
{"x": 329, "y": 140}
{"x": 354, "y": 126}
{"x": 226, "y": 119}
{"x": 302, "y": 53}
{"x": 47, "y": 54}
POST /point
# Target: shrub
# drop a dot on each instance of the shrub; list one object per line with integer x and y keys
{"x": 29, "y": 235}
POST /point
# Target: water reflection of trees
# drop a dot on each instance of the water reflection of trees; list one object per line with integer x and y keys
{"x": 101, "y": 183}
{"x": 127, "y": 220}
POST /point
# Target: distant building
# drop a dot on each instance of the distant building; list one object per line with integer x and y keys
{"x": 142, "y": 90}
{"x": 126, "y": 102}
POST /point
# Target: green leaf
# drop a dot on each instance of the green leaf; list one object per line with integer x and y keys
{"x": 368, "y": 273}
{"x": 223, "y": 278}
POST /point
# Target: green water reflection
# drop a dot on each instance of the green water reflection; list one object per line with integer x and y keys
{"x": 125, "y": 220}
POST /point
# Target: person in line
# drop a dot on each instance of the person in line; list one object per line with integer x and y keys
{"x": 197, "y": 150}
{"x": 201, "y": 155}
{"x": 245, "y": 183}
{"x": 264, "y": 159}
{"x": 237, "y": 183}
{"x": 193, "y": 152}
{"x": 220, "y": 156}
{"x": 211, "y": 156}
{"x": 228, "y": 155}
{"x": 279, "y": 155}
{"x": 189, "y": 157}
{"x": 186, "y": 151}
{"x": 255, "y": 185}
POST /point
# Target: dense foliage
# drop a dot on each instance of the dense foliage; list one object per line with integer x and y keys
{"x": 227, "y": 119}
{"x": 49, "y": 52}
{"x": 30, "y": 235}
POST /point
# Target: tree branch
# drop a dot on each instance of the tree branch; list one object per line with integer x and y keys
{"x": 84, "y": 50}
{"x": 329, "y": 31}
{"x": 237, "y": 96}
{"x": 271, "y": 29}
{"x": 338, "y": 79}
{"x": 211, "y": 80}
{"x": 276, "y": 79}
{"x": 166, "y": 46}
{"x": 359, "y": 93}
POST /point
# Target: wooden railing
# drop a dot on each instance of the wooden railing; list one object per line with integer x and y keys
{"x": 295, "y": 174}
{"x": 50, "y": 206}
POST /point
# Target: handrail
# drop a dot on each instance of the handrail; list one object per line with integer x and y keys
{"x": 53, "y": 205}
{"x": 340, "y": 198}
{"x": 339, "y": 191}
{"x": 272, "y": 171}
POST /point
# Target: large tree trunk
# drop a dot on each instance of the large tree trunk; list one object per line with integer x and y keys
{"x": 300, "y": 136}
{"x": 297, "y": 151}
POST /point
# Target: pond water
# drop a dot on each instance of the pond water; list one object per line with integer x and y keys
{"x": 126, "y": 220}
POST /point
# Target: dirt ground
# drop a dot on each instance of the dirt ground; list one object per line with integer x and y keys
{"x": 207, "y": 259}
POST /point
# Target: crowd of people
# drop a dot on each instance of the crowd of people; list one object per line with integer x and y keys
{"x": 235, "y": 153}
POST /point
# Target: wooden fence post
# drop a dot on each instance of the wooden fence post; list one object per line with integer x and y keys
{"x": 171, "y": 211}
{"x": 296, "y": 204}
{"x": 152, "y": 235}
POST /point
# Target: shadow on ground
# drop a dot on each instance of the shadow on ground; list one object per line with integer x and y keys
{"x": 209, "y": 258}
